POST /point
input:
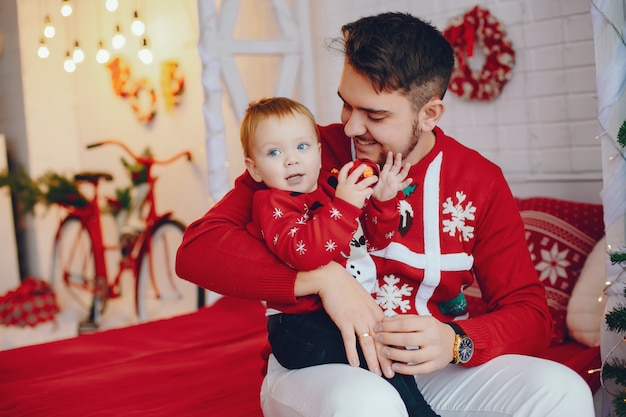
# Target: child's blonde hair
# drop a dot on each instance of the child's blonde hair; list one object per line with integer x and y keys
{"x": 268, "y": 107}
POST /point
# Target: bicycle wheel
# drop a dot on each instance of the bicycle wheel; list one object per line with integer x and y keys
{"x": 73, "y": 274}
{"x": 160, "y": 292}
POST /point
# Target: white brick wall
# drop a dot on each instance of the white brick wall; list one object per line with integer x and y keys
{"x": 540, "y": 130}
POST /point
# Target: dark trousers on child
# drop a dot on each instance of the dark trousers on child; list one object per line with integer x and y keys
{"x": 303, "y": 340}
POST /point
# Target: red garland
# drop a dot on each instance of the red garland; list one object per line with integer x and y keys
{"x": 479, "y": 27}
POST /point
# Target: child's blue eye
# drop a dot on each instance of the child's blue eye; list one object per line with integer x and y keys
{"x": 303, "y": 146}
{"x": 273, "y": 152}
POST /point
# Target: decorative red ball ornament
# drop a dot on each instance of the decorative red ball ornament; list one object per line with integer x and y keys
{"x": 372, "y": 168}
{"x": 479, "y": 27}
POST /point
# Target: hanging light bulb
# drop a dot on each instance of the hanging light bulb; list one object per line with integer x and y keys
{"x": 66, "y": 8}
{"x": 48, "y": 30}
{"x": 78, "y": 55}
{"x": 119, "y": 39}
{"x": 137, "y": 27}
{"x": 43, "y": 51}
{"x": 111, "y": 5}
{"x": 69, "y": 65}
{"x": 102, "y": 56}
{"x": 144, "y": 53}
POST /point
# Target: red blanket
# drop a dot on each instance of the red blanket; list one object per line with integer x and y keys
{"x": 207, "y": 363}
{"x": 203, "y": 364}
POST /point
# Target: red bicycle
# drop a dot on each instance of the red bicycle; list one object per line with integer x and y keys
{"x": 81, "y": 257}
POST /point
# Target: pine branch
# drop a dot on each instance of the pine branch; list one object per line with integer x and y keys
{"x": 25, "y": 191}
{"x": 616, "y": 319}
{"x": 617, "y": 257}
{"x": 619, "y": 404}
{"x": 615, "y": 370}
{"x": 621, "y": 135}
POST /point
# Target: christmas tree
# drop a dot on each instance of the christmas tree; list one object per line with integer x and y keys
{"x": 614, "y": 368}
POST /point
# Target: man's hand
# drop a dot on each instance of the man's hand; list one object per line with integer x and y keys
{"x": 416, "y": 344}
{"x": 351, "y": 308}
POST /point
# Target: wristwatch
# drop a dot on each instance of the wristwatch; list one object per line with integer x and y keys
{"x": 463, "y": 345}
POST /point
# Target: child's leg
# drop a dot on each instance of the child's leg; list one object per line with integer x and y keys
{"x": 300, "y": 341}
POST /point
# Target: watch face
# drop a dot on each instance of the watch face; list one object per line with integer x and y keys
{"x": 466, "y": 349}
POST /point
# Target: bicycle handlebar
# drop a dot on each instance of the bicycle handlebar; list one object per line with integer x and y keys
{"x": 144, "y": 160}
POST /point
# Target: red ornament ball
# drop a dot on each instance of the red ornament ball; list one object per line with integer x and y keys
{"x": 371, "y": 170}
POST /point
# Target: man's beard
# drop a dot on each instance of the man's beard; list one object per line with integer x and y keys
{"x": 414, "y": 139}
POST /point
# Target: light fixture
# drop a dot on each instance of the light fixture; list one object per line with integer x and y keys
{"x": 102, "y": 56}
{"x": 137, "y": 27}
{"x": 48, "y": 30}
{"x": 111, "y": 5}
{"x": 119, "y": 39}
{"x": 66, "y": 8}
{"x": 144, "y": 53}
{"x": 43, "y": 51}
{"x": 78, "y": 55}
{"x": 69, "y": 65}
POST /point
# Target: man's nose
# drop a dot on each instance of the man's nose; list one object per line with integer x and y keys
{"x": 354, "y": 126}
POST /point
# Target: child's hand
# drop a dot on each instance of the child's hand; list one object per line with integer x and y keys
{"x": 393, "y": 178}
{"x": 350, "y": 189}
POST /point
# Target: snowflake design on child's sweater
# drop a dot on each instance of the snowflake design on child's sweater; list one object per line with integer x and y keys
{"x": 278, "y": 213}
{"x": 301, "y": 247}
{"x": 330, "y": 246}
{"x": 459, "y": 215}
{"x": 390, "y": 297}
{"x": 335, "y": 213}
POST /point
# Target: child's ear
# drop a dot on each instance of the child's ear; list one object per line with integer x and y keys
{"x": 431, "y": 113}
{"x": 319, "y": 149}
{"x": 252, "y": 169}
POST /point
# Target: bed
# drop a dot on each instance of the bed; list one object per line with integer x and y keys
{"x": 210, "y": 362}
{"x": 205, "y": 363}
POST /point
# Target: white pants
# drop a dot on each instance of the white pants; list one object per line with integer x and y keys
{"x": 510, "y": 385}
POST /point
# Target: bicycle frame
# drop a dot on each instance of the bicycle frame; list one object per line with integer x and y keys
{"x": 141, "y": 247}
{"x": 139, "y": 250}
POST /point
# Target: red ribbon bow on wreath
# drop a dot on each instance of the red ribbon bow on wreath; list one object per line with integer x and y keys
{"x": 478, "y": 26}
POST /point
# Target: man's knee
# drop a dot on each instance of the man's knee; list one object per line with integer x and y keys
{"x": 328, "y": 391}
{"x": 558, "y": 391}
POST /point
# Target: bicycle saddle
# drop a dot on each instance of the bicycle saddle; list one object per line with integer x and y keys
{"x": 93, "y": 176}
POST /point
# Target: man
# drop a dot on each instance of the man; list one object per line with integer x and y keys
{"x": 459, "y": 223}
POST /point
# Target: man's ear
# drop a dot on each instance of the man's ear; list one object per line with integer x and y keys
{"x": 431, "y": 113}
{"x": 251, "y": 167}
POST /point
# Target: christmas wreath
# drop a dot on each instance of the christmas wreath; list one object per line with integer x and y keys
{"x": 479, "y": 27}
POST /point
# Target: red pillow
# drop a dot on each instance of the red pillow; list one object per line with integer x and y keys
{"x": 560, "y": 236}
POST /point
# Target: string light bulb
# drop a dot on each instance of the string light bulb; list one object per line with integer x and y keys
{"x": 144, "y": 53}
{"x": 69, "y": 65}
{"x": 66, "y": 8}
{"x": 102, "y": 56}
{"x": 78, "y": 55}
{"x": 137, "y": 27}
{"x": 48, "y": 30}
{"x": 119, "y": 40}
{"x": 43, "y": 51}
{"x": 111, "y": 5}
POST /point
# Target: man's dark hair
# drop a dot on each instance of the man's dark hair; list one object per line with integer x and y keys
{"x": 399, "y": 52}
